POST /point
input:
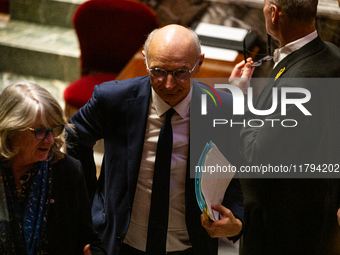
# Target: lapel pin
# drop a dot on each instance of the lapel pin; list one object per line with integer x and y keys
{"x": 279, "y": 73}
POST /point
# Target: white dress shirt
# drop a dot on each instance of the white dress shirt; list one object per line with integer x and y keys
{"x": 177, "y": 236}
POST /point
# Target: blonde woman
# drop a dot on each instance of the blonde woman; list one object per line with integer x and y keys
{"x": 44, "y": 206}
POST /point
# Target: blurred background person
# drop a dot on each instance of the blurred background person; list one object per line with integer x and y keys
{"x": 44, "y": 206}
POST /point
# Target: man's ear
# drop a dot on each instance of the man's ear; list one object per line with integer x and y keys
{"x": 200, "y": 62}
{"x": 274, "y": 13}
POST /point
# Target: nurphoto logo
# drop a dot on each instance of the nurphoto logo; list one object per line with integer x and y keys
{"x": 239, "y": 105}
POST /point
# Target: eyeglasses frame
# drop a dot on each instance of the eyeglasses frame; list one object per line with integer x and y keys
{"x": 48, "y": 130}
{"x": 268, "y": 57}
{"x": 172, "y": 72}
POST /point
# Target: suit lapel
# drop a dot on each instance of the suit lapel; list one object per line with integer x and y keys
{"x": 199, "y": 238}
{"x": 282, "y": 68}
{"x": 138, "y": 107}
{"x": 307, "y": 50}
{"x": 195, "y": 112}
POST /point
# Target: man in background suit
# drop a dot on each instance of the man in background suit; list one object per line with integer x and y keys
{"x": 129, "y": 114}
{"x": 293, "y": 216}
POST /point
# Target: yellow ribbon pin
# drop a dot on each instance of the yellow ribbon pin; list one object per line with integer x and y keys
{"x": 279, "y": 73}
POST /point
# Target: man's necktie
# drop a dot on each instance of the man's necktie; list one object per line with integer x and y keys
{"x": 159, "y": 208}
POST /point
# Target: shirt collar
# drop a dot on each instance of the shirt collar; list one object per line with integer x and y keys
{"x": 284, "y": 51}
{"x": 182, "y": 108}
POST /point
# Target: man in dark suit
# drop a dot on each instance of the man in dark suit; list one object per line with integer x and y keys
{"x": 128, "y": 115}
{"x": 282, "y": 215}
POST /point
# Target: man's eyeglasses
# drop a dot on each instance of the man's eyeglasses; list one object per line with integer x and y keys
{"x": 179, "y": 74}
{"x": 42, "y": 132}
{"x": 269, "y": 56}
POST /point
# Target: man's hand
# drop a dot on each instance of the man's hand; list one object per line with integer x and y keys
{"x": 338, "y": 216}
{"x": 87, "y": 250}
{"x": 227, "y": 226}
{"x": 241, "y": 74}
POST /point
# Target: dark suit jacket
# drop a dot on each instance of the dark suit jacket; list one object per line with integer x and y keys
{"x": 295, "y": 216}
{"x": 118, "y": 112}
{"x": 69, "y": 225}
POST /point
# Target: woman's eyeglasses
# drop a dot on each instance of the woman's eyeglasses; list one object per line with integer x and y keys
{"x": 42, "y": 132}
{"x": 268, "y": 57}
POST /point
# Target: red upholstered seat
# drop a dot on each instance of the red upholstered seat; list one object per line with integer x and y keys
{"x": 83, "y": 88}
{"x": 4, "y": 6}
{"x": 109, "y": 32}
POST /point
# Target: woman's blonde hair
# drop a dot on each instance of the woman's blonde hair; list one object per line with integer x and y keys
{"x": 20, "y": 104}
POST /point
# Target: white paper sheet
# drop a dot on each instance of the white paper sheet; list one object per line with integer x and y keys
{"x": 223, "y": 32}
{"x": 219, "y": 53}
